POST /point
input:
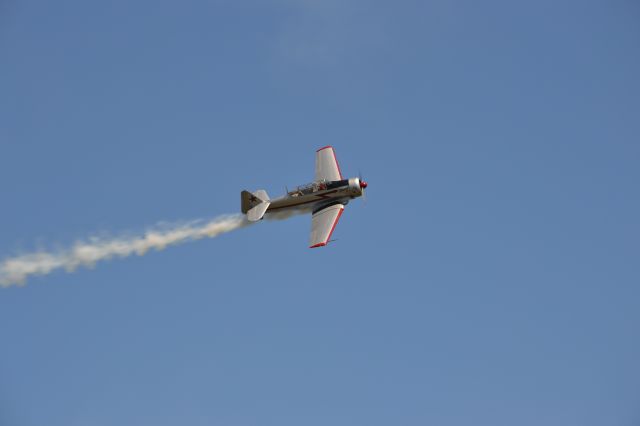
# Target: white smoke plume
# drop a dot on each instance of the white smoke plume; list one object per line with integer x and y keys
{"x": 16, "y": 270}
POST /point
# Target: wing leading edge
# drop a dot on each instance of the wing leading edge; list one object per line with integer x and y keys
{"x": 327, "y": 167}
{"x": 323, "y": 222}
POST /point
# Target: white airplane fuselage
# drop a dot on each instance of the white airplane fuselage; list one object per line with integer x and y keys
{"x": 318, "y": 195}
{"x": 325, "y": 198}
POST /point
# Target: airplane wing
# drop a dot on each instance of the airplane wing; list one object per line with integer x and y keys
{"x": 323, "y": 223}
{"x": 327, "y": 167}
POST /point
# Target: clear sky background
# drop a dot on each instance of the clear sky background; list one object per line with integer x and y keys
{"x": 492, "y": 277}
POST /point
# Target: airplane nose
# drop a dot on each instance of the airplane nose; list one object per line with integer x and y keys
{"x": 363, "y": 184}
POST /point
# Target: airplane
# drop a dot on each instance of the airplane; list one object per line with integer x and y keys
{"x": 325, "y": 198}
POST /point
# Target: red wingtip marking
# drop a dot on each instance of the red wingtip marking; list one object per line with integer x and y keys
{"x": 324, "y": 147}
{"x": 318, "y": 245}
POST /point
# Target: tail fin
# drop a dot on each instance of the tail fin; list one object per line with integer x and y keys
{"x": 254, "y": 205}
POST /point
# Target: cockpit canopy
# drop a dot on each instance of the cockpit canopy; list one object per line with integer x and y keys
{"x": 320, "y": 185}
{"x": 308, "y": 188}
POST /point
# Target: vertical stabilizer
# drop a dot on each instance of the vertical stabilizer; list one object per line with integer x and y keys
{"x": 254, "y": 205}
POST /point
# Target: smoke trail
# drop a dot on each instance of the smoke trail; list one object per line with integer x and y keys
{"x": 16, "y": 270}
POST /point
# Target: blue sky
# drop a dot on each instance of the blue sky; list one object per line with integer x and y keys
{"x": 490, "y": 279}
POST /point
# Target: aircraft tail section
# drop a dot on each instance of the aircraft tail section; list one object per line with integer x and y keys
{"x": 254, "y": 205}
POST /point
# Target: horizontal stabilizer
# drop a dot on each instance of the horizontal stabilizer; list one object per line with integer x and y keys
{"x": 257, "y": 212}
{"x": 262, "y": 195}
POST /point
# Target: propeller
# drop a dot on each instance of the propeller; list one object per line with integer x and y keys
{"x": 363, "y": 186}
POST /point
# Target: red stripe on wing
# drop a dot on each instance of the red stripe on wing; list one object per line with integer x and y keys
{"x": 333, "y": 151}
{"x": 335, "y": 222}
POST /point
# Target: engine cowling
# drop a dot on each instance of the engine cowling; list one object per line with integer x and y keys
{"x": 356, "y": 186}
